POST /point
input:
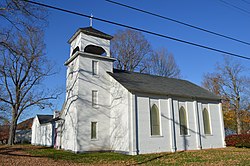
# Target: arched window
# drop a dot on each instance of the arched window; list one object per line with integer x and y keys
{"x": 206, "y": 121}
{"x": 95, "y": 50}
{"x": 183, "y": 121}
{"x": 155, "y": 120}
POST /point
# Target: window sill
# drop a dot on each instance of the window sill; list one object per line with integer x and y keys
{"x": 96, "y": 139}
{"x": 188, "y": 135}
{"x": 95, "y": 76}
{"x": 208, "y": 134}
{"x": 95, "y": 106}
{"x": 156, "y": 136}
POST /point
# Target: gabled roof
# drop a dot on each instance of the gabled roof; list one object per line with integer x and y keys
{"x": 145, "y": 83}
{"x": 91, "y": 31}
{"x": 44, "y": 118}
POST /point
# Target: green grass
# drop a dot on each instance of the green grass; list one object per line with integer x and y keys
{"x": 226, "y": 156}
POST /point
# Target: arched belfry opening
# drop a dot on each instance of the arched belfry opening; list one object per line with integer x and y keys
{"x": 95, "y": 50}
{"x": 90, "y": 40}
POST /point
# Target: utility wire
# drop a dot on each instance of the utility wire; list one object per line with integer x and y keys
{"x": 236, "y": 7}
{"x": 141, "y": 30}
{"x": 179, "y": 22}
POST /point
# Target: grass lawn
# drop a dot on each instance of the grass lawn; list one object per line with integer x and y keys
{"x": 225, "y": 156}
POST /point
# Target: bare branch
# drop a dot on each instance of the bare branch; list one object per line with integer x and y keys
{"x": 230, "y": 83}
{"x": 163, "y": 64}
{"x": 130, "y": 48}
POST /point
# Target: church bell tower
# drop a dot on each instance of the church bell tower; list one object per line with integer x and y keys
{"x": 88, "y": 87}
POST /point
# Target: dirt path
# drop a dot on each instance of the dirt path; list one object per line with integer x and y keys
{"x": 16, "y": 156}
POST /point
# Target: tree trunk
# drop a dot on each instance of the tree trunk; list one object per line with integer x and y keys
{"x": 13, "y": 125}
{"x": 238, "y": 121}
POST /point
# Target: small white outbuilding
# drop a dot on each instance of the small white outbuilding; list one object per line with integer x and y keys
{"x": 112, "y": 110}
{"x": 43, "y": 130}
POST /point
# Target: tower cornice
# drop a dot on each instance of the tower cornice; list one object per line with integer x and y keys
{"x": 85, "y": 54}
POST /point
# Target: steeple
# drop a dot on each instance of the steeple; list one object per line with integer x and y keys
{"x": 90, "y": 40}
{"x": 91, "y": 21}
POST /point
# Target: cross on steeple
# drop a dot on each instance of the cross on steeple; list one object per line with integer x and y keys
{"x": 91, "y": 22}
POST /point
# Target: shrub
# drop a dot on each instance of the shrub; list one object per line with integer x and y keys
{"x": 241, "y": 140}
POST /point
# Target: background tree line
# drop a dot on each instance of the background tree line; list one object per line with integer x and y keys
{"x": 134, "y": 53}
{"x": 231, "y": 83}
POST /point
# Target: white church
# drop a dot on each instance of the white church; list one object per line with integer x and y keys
{"x": 112, "y": 110}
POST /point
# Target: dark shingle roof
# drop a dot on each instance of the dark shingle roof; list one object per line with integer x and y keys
{"x": 145, "y": 83}
{"x": 95, "y": 32}
{"x": 45, "y": 118}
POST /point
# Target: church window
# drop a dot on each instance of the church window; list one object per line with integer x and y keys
{"x": 206, "y": 121}
{"x": 94, "y": 98}
{"x": 183, "y": 121}
{"x": 94, "y": 68}
{"x": 93, "y": 130}
{"x": 155, "y": 120}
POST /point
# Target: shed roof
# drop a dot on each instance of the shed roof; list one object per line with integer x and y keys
{"x": 45, "y": 118}
{"x": 145, "y": 83}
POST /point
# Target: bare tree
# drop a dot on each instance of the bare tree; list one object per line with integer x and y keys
{"x": 131, "y": 50}
{"x": 23, "y": 67}
{"x": 163, "y": 64}
{"x": 16, "y": 15}
{"x": 232, "y": 85}
{"x": 23, "y": 64}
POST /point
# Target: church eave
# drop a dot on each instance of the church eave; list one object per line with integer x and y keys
{"x": 88, "y": 55}
{"x": 94, "y": 33}
{"x": 168, "y": 95}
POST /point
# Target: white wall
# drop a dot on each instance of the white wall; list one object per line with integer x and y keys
{"x": 148, "y": 143}
{"x": 42, "y": 134}
{"x": 35, "y": 132}
{"x": 216, "y": 139}
{"x": 46, "y": 133}
{"x": 186, "y": 142}
{"x": 68, "y": 131}
{"x": 86, "y": 113}
{"x": 170, "y": 140}
{"x": 119, "y": 117}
